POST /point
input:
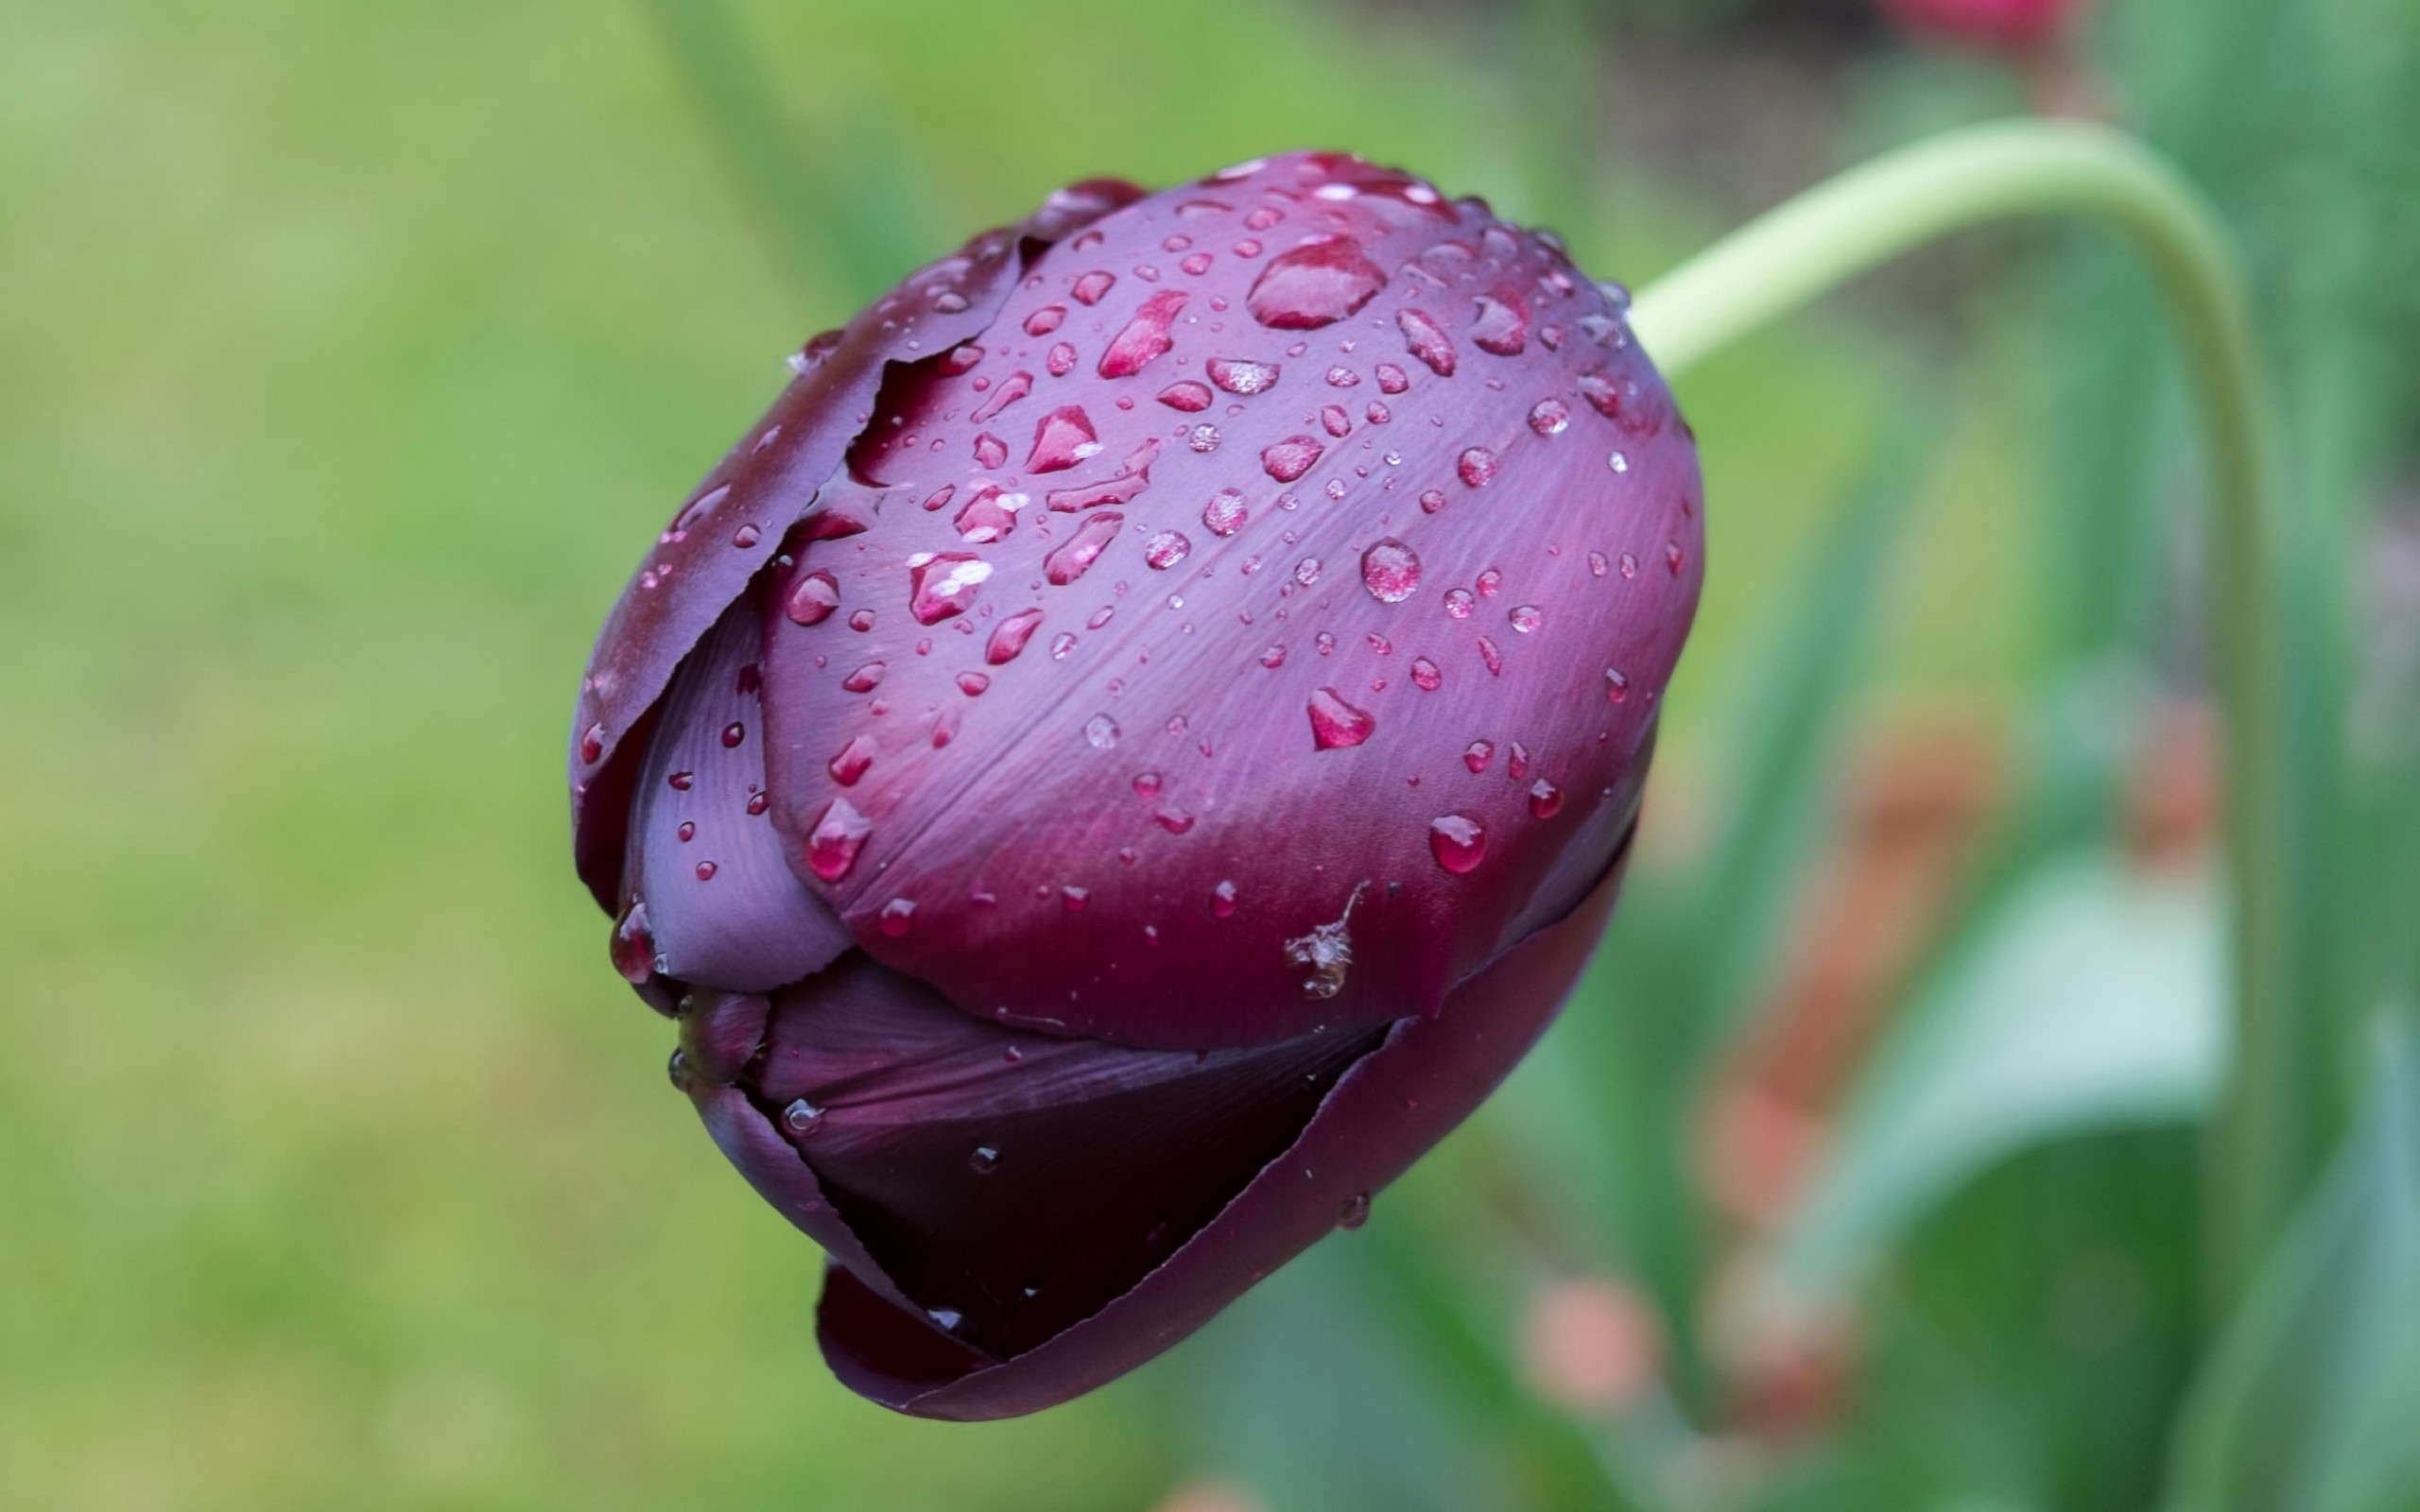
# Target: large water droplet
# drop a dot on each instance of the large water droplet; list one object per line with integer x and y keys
{"x": 1010, "y": 635}
{"x": 1616, "y": 686}
{"x": 1313, "y": 286}
{"x": 833, "y": 845}
{"x": 852, "y": 759}
{"x": 943, "y": 584}
{"x": 1012, "y": 389}
{"x": 1502, "y": 324}
{"x": 1476, "y": 466}
{"x": 1187, "y": 397}
{"x": 1239, "y": 377}
{"x": 633, "y": 947}
{"x": 1060, "y": 439}
{"x": 1459, "y": 603}
{"x": 1546, "y": 800}
{"x": 897, "y": 917}
{"x": 1291, "y": 458}
{"x": 592, "y": 743}
{"x": 1145, "y": 337}
{"x": 1550, "y": 417}
{"x": 1165, "y": 550}
{"x": 1426, "y": 341}
{"x": 1074, "y": 557}
{"x": 1424, "y": 675}
{"x": 1044, "y": 321}
{"x": 1100, "y": 732}
{"x": 1478, "y": 754}
{"x": 1390, "y": 570}
{"x": 1224, "y": 514}
{"x": 1526, "y": 617}
{"x": 1335, "y": 724}
{"x": 990, "y": 515}
{"x": 1458, "y": 842}
{"x": 1091, "y": 286}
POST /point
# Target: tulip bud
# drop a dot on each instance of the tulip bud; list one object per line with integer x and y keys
{"x": 2004, "y": 25}
{"x": 1132, "y": 748}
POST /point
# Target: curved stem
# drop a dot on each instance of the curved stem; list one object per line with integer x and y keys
{"x": 2266, "y": 1137}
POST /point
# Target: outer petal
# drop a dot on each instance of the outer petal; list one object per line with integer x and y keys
{"x": 1388, "y": 1110}
{"x": 721, "y": 906}
{"x": 1011, "y": 1184}
{"x": 1232, "y": 616}
{"x": 730, "y": 526}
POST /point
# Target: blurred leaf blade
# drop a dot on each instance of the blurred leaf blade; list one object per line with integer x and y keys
{"x": 2308, "y": 1400}
{"x": 2086, "y": 997}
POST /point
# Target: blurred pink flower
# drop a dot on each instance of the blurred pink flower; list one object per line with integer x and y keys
{"x": 1590, "y": 1344}
{"x": 2010, "y": 25}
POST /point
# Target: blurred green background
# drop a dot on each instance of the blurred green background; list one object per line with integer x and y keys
{"x": 348, "y": 353}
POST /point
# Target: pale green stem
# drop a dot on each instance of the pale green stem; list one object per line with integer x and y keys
{"x": 2266, "y": 1135}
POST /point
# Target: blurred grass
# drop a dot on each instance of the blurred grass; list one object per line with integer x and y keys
{"x": 351, "y": 354}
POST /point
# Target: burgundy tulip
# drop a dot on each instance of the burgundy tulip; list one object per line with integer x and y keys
{"x": 1133, "y": 745}
{"x": 2006, "y": 25}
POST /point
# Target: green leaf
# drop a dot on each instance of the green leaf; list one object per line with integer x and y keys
{"x": 2086, "y": 997}
{"x": 2309, "y": 1402}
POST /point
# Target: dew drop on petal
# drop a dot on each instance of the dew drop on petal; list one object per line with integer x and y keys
{"x": 1100, "y": 732}
{"x": 833, "y": 844}
{"x": 897, "y": 917}
{"x": 1476, "y": 466}
{"x": 1315, "y": 285}
{"x": 1390, "y": 571}
{"x": 1291, "y": 458}
{"x": 1165, "y": 550}
{"x": 1224, "y": 514}
{"x": 1073, "y": 558}
{"x": 1335, "y": 724}
{"x": 1457, "y": 841}
{"x": 1010, "y": 636}
{"x": 1546, "y": 800}
{"x": 1424, "y": 675}
{"x": 1188, "y": 396}
{"x": 1525, "y": 617}
{"x": 1222, "y": 900}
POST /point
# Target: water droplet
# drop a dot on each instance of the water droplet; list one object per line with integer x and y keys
{"x": 1061, "y": 645}
{"x": 802, "y": 1117}
{"x": 687, "y": 832}
{"x": 1224, "y": 514}
{"x": 1188, "y": 396}
{"x": 897, "y": 917}
{"x": 679, "y": 781}
{"x": 1044, "y": 321}
{"x": 1100, "y": 732}
{"x": 746, "y": 536}
{"x": 1517, "y": 767}
{"x": 973, "y": 683}
{"x": 1354, "y": 1213}
{"x": 833, "y": 845}
{"x": 1203, "y": 438}
{"x": 852, "y": 759}
{"x": 1239, "y": 377}
{"x": 1476, "y": 466}
{"x": 1432, "y": 500}
{"x": 1060, "y": 360}
{"x": 1459, "y": 603}
{"x": 1165, "y": 550}
{"x": 634, "y": 946}
{"x": 1490, "y": 582}
{"x": 1478, "y": 754}
{"x": 1616, "y": 686}
{"x": 1075, "y": 557}
{"x": 1325, "y": 641}
{"x": 1197, "y": 264}
{"x": 1146, "y": 336}
{"x": 1010, "y": 636}
{"x": 1222, "y": 900}
{"x": 1618, "y": 462}
{"x": 1526, "y": 617}
{"x": 1073, "y": 898}
{"x": 1494, "y": 658}
{"x": 757, "y": 803}
{"x": 1291, "y": 458}
{"x": 1424, "y": 341}
{"x": 1091, "y": 286}
{"x": 1060, "y": 439}
{"x": 732, "y": 734}
{"x": 1175, "y": 823}
{"x": 1629, "y": 565}
{"x": 1273, "y": 657}
{"x": 1335, "y": 724}
{"x": 1424, "y": 675}
{"x": 1501, "y": 325}
{"x": 944, "y": 585}
{"x": 1458, "y": 842}
{"x": 862, "y": 621}
{"x": 705, "y": 870}
{"x": 1672, "y": 556}
{"x": 1390, "y": 570}
{"x": 990, "y": 451}
{"x": 1306, "y": 571}
{"x": 1392, "y": 379}
{"x": 1334, "y": 420}
{"x": 1550, "y": 417}
{"x": 1315, "y": 285}
{"x": 1012, "y": 389}
{"x": 592, "y": 743}
{"x": 1546, "y": 800}
{"x": 983, "y": 1160}
{"x": 1597, "y": 564}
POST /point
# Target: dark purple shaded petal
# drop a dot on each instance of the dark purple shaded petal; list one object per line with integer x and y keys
{"x": 992, "y": 816}
{"x": 1394, "y": 1104}
{"x": 722, "y": 904}
{"x": 734, "y": 521}
{"x": 1013, "y": 1184}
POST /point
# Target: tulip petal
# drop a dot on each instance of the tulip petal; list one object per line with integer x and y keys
{"x": 735, "y": 521}
{"x": 1389, "y": 1109}
{"x": 1011, "y": 1184}
{"x": 1210, "y": 792}
{"x": 723, "y": 907}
